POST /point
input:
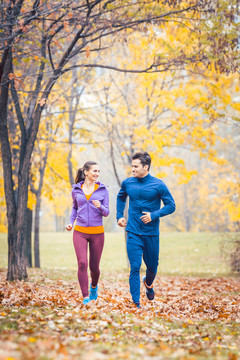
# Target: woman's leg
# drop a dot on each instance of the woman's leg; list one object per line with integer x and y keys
{"x": 96, "y": 243}
{"x": 80, "y": 241}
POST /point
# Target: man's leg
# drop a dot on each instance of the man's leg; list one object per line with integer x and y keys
{"x": 134, "y": 251}
{"x": 150, "y": 257}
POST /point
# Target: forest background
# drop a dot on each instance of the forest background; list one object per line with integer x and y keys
{"x": 98, "y": 80}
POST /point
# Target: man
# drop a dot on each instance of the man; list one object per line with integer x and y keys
{"x": 145, "y": 195}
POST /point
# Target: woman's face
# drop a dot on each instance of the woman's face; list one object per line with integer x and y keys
{"x": 93, "y": 173}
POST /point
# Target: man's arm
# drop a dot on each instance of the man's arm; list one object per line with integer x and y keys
{"x": 168, "y": 201}
{"x": 121, "y": 202}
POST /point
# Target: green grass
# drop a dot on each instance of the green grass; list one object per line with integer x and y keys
{"x": 180, "y": 253}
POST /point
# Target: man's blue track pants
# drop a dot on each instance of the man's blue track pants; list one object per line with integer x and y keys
{"x": 138, "y": 247}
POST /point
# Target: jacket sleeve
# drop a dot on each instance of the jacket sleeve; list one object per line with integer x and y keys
{"x": 168, "y": 201}
{"x": 121, "y": 201}
{"x": 73, "y": 214}
{"x": 104, "y": 207}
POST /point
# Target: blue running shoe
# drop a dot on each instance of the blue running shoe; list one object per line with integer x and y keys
{"x": 86, "y": 300}
{"x": 93, "y": 293}
{"x": 149, "y": 289}
{"x": 138, "y": 305}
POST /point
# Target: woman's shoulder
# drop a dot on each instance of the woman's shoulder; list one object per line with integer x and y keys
{"x": 77, "y": 187}
{"x": 101, "y": 185}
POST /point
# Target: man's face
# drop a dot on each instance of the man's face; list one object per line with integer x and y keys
{"x": 138, "y": 170}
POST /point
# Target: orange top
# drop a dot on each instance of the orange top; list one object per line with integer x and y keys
{"x": 90, "y": 229}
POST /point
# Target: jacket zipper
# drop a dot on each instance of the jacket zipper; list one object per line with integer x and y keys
{"x": 89, "y": 200}
{"x": 93, "y": 192}
{"x": 88, "y": 211}
{"x": 140, "y": 224}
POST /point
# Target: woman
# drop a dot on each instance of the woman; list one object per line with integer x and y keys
{"x": 90, "y": 204}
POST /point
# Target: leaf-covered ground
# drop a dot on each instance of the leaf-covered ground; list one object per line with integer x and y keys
{"x": 190, "y": 318}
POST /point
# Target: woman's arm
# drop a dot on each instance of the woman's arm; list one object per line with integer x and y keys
{"x": 73, "y": 214}
{"x": 104, "y": 206}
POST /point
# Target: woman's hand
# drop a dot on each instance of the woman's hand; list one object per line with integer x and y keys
{"x": 69, "y": 227}
{"x": 96, "y": 203}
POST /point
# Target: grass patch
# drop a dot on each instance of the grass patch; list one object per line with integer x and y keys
{"x": 180, "y": 253}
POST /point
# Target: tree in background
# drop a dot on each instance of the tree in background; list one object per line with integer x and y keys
{"x": 169, "y": 116}
{"x": 39, "y": 162}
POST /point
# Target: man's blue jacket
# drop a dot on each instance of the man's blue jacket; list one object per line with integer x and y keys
{"x": 145, "y": 194}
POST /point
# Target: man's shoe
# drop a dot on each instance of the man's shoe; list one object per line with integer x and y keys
{"x": 149, "y": 289}
{"x": 86, "y": 300}
{"x": 93, "y": 293}
{"x": 138, "y": 305}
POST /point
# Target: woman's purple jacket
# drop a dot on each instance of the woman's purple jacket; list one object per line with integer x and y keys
{"x": 83, "y": 210}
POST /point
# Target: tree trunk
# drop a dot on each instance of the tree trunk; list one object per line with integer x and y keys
{"x": 16, "y": 208}
{"x": 16, "y": 262}
{"x": 187, "y": 214}
{"x": 16, "y": 237}
{"x": 36, "y": 231}
{"x": 38, "y": 194}
{"x": 28, "y": 239}
{"x": 70, "y": 167}
{"x": 75, "y": 98}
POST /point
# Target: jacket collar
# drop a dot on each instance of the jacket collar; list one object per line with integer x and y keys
{"x": 78, "y": 185}
{"x": 144, "y": 179}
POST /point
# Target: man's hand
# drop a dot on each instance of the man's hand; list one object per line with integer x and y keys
{"x": 69, "y": 227}
{"x": 122, "y": 222}
{"x": 146, "y": 218}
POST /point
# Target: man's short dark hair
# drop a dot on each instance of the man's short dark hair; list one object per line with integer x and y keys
{"x": 144, "y": 157}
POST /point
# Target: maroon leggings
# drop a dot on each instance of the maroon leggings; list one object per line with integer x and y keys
{"x": 96, "y": 242}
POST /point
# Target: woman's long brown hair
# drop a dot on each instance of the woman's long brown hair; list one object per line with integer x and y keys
{"x": 80, "y": 176}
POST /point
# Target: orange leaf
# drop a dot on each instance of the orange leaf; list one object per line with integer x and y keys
{"x": 87, "y": 51}
{"x": 42, "y": 101}
{"x": 11, "y": 76}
